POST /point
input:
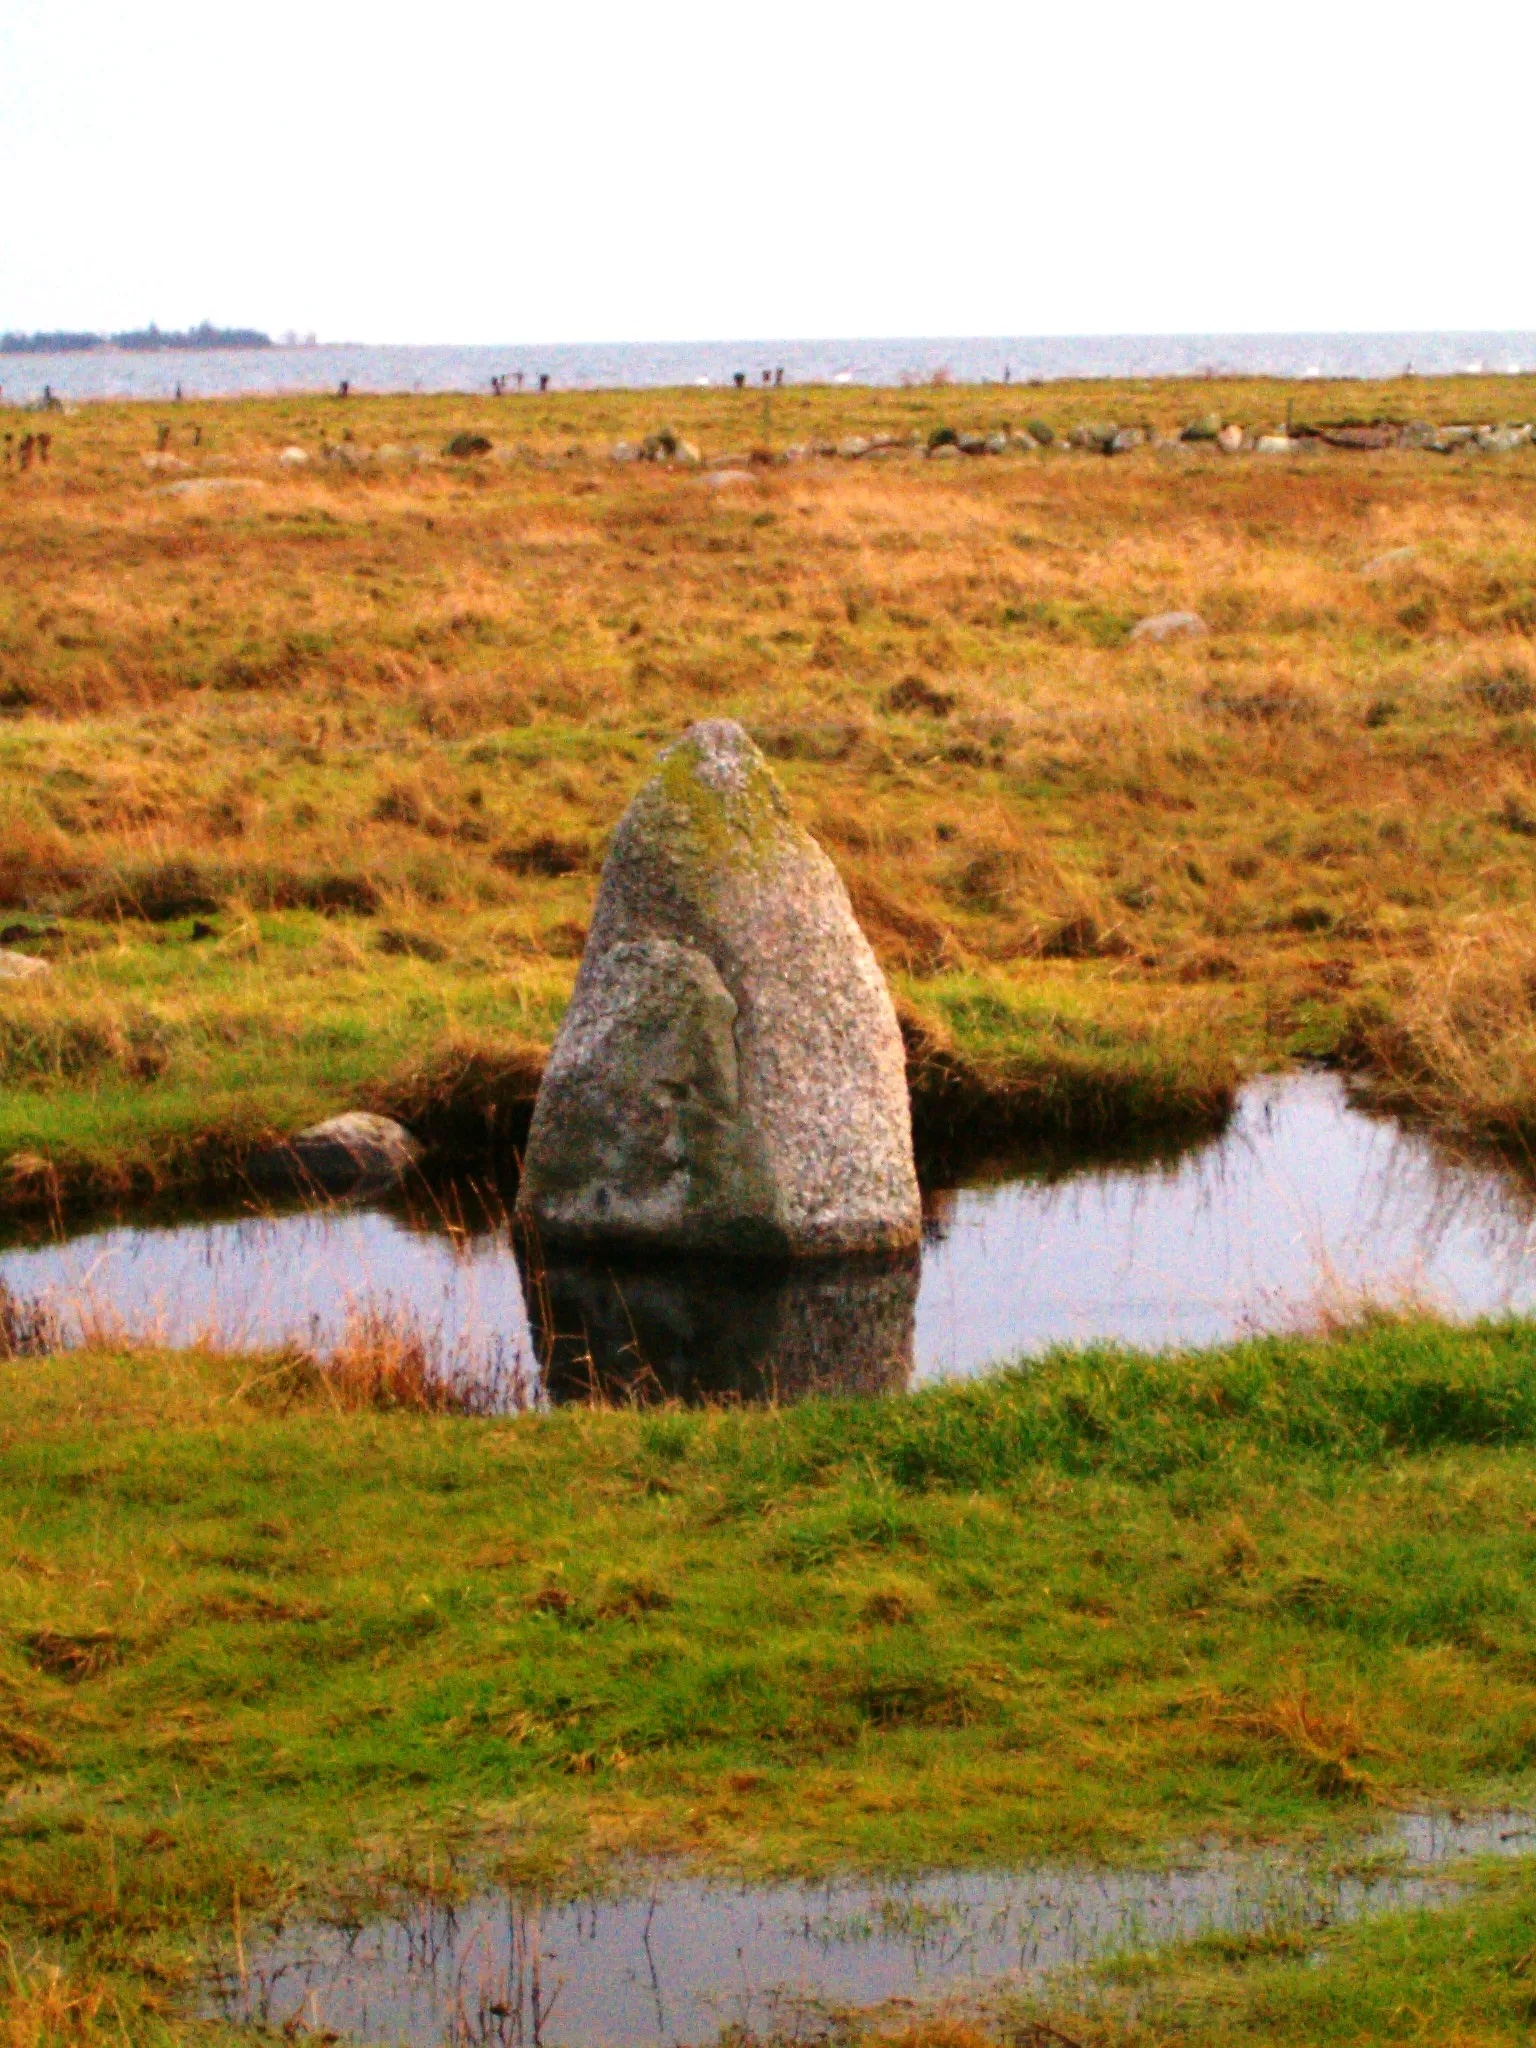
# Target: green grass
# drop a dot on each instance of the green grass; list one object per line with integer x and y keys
{"x": 255, "y": 1644}
{"x": 1462, "y": 1975}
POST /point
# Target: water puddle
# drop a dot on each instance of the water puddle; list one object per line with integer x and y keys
{"x": 676, "y": 1960}
{"x": 1301, "y": 1197}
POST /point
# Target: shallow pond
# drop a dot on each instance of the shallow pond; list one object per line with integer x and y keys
{"x": 1302, "y": 1201}
{"x": 675, "y": 1960}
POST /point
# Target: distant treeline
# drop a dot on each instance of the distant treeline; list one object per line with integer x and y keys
{"x": 151, "y": 337}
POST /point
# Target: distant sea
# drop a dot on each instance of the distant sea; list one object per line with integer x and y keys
{"x": 219, "y": 373}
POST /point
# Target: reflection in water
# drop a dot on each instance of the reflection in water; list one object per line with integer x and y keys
{"x": 705, "y": 1328}
{"x": 1302, "y": 1201}
{"x": 674, "y": 1959}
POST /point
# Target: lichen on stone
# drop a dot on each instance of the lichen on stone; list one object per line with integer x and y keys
{"x": 734, "y": 809}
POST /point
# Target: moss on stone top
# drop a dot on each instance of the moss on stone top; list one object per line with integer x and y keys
{"x": 717, "y": 779}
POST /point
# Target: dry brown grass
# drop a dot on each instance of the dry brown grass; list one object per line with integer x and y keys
{"x": 43, "y": 2007}
{"x": 1458, "y": 1043}
{"x": 373, "y": 720}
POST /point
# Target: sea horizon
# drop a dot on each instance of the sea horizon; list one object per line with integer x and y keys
{"x": 302, "y": 366}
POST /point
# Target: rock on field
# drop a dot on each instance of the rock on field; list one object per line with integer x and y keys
{"x": 356, "y": 1153}
{"x": 730, "y": 1075}
{"x": 1170, "y": 626}
{"x": 22, "y": 967}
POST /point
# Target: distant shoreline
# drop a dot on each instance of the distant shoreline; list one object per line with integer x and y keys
{"x": 140, "y": 341}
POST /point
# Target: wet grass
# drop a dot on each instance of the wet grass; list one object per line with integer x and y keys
{"x": 261, "y": 1642}
{"x": 305, "y": 781}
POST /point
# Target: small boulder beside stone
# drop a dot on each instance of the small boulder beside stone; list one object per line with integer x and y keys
{"x": 357, "y": 1153}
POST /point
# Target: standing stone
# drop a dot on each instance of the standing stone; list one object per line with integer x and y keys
{"x": 729, "y": 1076}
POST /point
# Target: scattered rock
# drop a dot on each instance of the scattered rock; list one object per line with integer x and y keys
{"x": 729, "y": 1076}
{"x": 22, "y": 967}
{"x": 1364, "y": 440}
{"x": 852, "y": 446}
{"x": 1042, "y": 431}
{"x": 294, "y": 458}
{"x": 1025, "y": 443}
{"x": 1094, "y": 436}
{"x": 1502, "y": 440}
{"x": 687, "y": 454}
{"x": 1124, "y": 439}
{"x": 162, "y": 460}
{"x": 997, "y": 444}
{"x": 1275, "y": 444}
{"x": 729, "y": 479}
{"x": 971, "y": 444}
{"x": 208, "y": 486}
{"x": 1230, "y": 440}
{"x": 624, "y": 451}
{"x": 946, "y": 451}
{"x": 1393, "y": 559}
{"x": 356, "y": 1153}
{"x": 1170, "y": 626}
{"x": 1448, "y": 440}
{"x": 1203, "y": 430}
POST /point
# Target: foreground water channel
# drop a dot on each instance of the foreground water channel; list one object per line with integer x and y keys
{"x": 670, "y": 1959}
{"x": 1302, "y": 1202}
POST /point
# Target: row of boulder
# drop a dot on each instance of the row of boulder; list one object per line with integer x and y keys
{"x": 1099, "y": 438}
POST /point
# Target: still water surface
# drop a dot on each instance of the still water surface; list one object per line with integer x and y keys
{"x": 1302, "y": 1201}
{"x": 677, "y": 1960}
{"x": 966, "y": 359}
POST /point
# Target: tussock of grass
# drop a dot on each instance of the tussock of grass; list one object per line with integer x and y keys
{"x": 1459, "y": 1044}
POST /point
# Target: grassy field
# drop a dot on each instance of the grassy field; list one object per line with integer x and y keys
{"x": 260, "y": 1643}
{"x": 308, "y": 768}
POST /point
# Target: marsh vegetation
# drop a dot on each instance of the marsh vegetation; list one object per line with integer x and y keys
{"x": 307, "y": 782}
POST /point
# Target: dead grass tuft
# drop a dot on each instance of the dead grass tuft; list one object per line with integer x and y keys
{"x": 1326, "y": 1742}
{"x": 43, "y": 2007}
{"x": 1458, "y": 1044}
{"x": 28, "y": 1328}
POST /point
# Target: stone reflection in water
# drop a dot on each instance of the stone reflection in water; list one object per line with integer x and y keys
{"x": 701, "y": 1329}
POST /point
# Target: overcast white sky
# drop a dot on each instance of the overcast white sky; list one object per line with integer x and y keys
{"x": 470, "y": 172}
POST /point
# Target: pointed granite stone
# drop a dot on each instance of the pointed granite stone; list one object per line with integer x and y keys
{"x": 730, "y": 1075}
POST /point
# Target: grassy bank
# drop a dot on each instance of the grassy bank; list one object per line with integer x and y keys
{"x": 307, "y": 780}
{"x": 261, "y": 1642}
